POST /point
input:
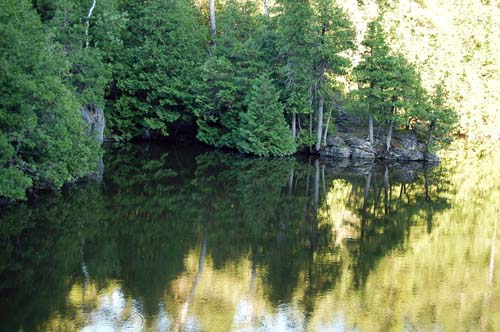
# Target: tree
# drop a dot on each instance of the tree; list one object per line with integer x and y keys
{"x": 294, "y": 48}
{"x": 335, "y": 36}
{"x": 163, "y": 46}
{"x": 42, "y": 135}
{"x": 68, "y": 25}
{"x": 435, "y": 116}
{"x": 263, "y": 130}
{"x": 405, "y": 92}
{"x": 373, "y": 73}
{"x": 242, "y": 53}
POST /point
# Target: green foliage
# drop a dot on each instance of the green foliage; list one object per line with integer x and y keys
{"x": 149, "y": 64}
{"x": 228, "y": 110}
{"x": 42, "y": 137}
{"x": 390, "y": 87}
{"x": 335, "y": 36}
{"x": 373, "y": 73}
{"x": 162, "y": 48}
{"x": 263, "y": 130}
{"x": 295, "y": 37}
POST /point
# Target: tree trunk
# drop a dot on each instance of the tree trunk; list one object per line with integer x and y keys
{"x": 370, "y": 127}
{"x": 321, "y": 105}
{"x": 266, "y": 8}
{"x": 294, "y": 126}
{"x": 320, "y": 122}
{"x": 213, "y": 26}
{"x": 310, "y": 128}
{"x": 389, "y": 137}
{"x": 429, "y": 141}
{"x": 89, "y": 15}
{"x": 325, "y": 135}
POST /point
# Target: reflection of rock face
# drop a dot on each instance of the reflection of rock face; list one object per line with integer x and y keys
{"x": 405, "y": 172}
{"x": 94, "y": 118}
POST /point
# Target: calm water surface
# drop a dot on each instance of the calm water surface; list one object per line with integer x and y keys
{"x": 198, "y": 240}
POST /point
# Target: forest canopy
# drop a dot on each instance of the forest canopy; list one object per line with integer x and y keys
{"x": 261, "y": 77}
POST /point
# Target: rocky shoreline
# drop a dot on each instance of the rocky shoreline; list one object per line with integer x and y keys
{"x": 405, "y": 147}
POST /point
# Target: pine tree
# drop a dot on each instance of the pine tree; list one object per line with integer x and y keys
{"x": 435, "y": 117}
{"x": 242, "y": 52}
{"x": 295, "y": 38}
{"x": 335, "y": 35}
{"x": 373, "y": 74}
{"x": 263, "y": 130}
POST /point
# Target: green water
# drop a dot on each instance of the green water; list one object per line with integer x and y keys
{"x": 190, "y": 239}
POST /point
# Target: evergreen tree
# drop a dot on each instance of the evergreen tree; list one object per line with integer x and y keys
{"x": 263, "y": 130}
{"x": 164, "y": 46}
{"x": 405, "y": 91}
{"x": 66, "y": 24}
{"x": 436, "y": 118}
{"x": 240, "y": 55}
{"x": 335, "y": 35}
{"x": 295, "y": 37}
{"x": 373, "y": 73}
{"x": 42, "y": 134}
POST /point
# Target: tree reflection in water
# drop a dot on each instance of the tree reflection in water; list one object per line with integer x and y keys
{"x": 192, "y": 239}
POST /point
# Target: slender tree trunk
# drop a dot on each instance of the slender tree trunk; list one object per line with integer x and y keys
{"x": 321, "y": 106}
{"x": 310, "y": 128}
{"x": 320, "y": 122}
{"x": 325, "y": 135}
{"x": 370, "y": 127}
{"x": 213, "y": 25}
{"x": 389, "y": 137}
{"x": 429, "y": 140}
{"x": 89, "y": 15}
{"x": 266, "y": 8}
{"x": 294, "y": 126}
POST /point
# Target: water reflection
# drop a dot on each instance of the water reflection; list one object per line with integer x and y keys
{"x": 195, "y": 240}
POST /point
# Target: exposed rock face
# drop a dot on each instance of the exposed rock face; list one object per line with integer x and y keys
{"x": 351, "y": 147}
{"x": 336, "y": 148}
{"x": 405, "y": 147}
{"x": 94, "y": 118}
{"x": 361, "y": 149}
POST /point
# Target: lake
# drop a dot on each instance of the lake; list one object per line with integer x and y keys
{"x": 192, "y": 239}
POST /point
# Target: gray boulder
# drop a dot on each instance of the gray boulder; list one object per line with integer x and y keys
{"x": 336, "y": 148}
{"x": 94, "y": 118}
{"x": 336, "y": 152}
{"x": 361, "y": 149}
